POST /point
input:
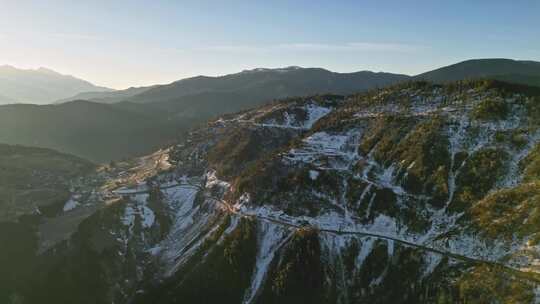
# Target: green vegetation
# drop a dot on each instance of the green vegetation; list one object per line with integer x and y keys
{"x": 383, "y": 136}
{"x": 491, "y": 109}
{"x": 531, "y": 165}
{"x": 83, "y": 269}
{"x": 94, "y": 131}
{"x": 392, "y": 275}
{"x": 237, "y": 150}
{"x": 158, "y": 206}
{"x": 98, "y": 264}
{"x": 424, "y": 152}
{"x": 517, "y": 139}
{"x": 226, "y": 270}
{"x": 510, "y": 212}
{"x": 533, "y": 110}
{"x": 486, "y": 284}
{"x": 19, "y": 244}
{"x": 33, "y": 178}
{"x": 299, "y": 270}
{"x": 144, "y": 119}
{"x": 219, "y": 272}
{"x": 479, "y": 174}
{"x": 514, "y": 71}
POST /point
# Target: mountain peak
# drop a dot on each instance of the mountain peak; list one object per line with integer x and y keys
{"x": 284, "y": 69}
{"x": 11, "y": 68}
{"x": 47, "y": 71}
{"x": 7, "y": 67}
{"x": 40, "y": 86}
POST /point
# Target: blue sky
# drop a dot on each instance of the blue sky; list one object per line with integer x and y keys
{"x": 133, "y": 43}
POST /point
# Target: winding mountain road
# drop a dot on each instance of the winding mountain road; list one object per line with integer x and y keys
{"x": 525, "y": 275}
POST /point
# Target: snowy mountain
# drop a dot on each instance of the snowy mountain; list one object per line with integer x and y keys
{"x": 145, "y": 118}
{"x": 263, "y": 84}
{"x": 40, "y": 86}
{"x": 247, "y": 89}
{"x": 416, "y": 193}
{"x": 105, "y": 126}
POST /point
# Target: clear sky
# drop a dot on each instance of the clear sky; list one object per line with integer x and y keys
{"x": 132, "y": 43}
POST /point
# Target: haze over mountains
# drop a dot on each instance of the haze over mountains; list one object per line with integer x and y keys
{"x": 256, "y": 84}
{"x": 138, "y": 120}
{"x": 40, "y": 86}
{"x": 106, "y": 97}
{"x": 109, "y": 125}
{"x": 296, "y": 81}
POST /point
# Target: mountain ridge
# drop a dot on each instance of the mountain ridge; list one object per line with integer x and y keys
{"x": 494, "y": 68}
{"x": 415, "y": 193}
{"x": 40, "y": 86}
{"x": 433, "y": 75}
{"x": 96, "y": 131}
{"x": 175, "y": 108}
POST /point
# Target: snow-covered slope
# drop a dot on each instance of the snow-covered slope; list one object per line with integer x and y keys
{"x": 412, "y": 194}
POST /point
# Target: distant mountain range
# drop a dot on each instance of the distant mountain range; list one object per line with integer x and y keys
{"x": 250, "y": 87}
{"x": 40, "y": 86}
{"x": 107, "y": 96}
{"x": 110, "y": 125}
{"x": 515, "y": 71}
{"x": 265, "y": 84}
{"x": 245, "y": 89}
{"x": 113, "y": 125}
{"x": 211, "y": 96}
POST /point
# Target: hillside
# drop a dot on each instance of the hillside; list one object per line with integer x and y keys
{"x": 140, "y": 120}
{"x": 95, "y": 131}
{"x": 250, "y": 88}
{"x": 209, "y": 96}
{"x": 522, "y": 72}
{"x": 35, "y": 178}
{"x": 106, "y": 97}
{"x": 226, "y": 94}
{"x": 171, "y": 110}
{"x": 277, "y": 83}
{"x": 34, "y": 182}
{"x": 39, "y": 86}
{"x": 417, "y": 193}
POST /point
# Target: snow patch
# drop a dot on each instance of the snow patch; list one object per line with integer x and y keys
{"x": 431, "y": 260}
{"x": 365, "y": 250}
{"x": 70, "y": 205}
{"x": 138, "y": 209}
{"x": 212, "y": 180}
{"x": 270, "y": 239}
{"x": 327, "y": 151}
{"x": 315, "y": 113}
